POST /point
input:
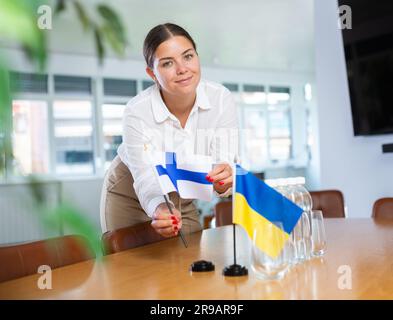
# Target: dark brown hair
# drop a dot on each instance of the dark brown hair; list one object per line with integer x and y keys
{"x": 158, "y": 35}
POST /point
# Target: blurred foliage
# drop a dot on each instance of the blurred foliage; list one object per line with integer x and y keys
{"x": 18, "y": 25}
{"x": 64, "y": 217}
{"x": 107, "y": 29}
{"x": 5, "y": 139}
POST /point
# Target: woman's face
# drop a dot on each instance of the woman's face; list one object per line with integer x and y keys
{"x": 176, "y": 66}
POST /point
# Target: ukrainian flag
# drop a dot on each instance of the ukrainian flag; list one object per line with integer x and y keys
{"x": 257, "y": 204}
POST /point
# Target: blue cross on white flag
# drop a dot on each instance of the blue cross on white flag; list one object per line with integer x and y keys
{"x": 187, "y": 175}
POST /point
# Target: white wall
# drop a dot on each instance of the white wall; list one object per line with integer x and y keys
{"x": 19, "y": 218}
{"x": 355, "y": 165}
{"x": 84, "y": 194}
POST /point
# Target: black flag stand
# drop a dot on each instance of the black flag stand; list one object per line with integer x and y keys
{"x": 234, "y": 270}
{"x": 196, "y": 266}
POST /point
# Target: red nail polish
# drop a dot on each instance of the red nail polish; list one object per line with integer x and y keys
{"x": 173, "y": 218}
{"x": 207, "y": 178}
{"x": 175, "y": 228}
{"x": 221, "y": 183}
{"x": 174, "y": 222}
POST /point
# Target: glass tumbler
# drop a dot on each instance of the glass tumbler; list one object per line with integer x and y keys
{"x": 269, "y": 255}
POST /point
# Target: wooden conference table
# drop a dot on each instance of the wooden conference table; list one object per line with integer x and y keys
{"x": 161, "y": 270}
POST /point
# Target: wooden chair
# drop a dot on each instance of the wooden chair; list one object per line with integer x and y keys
{"x": 223, "y": 213}
{"x": 207, "y": 220}
{"x": 24, "y": 259}
{"x": 130, "y": 237}
{"x": 331, "y": 202}
{"x": 383, "y": 208}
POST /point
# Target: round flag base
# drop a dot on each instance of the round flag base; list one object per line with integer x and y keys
{"x": 235, "y": 270}
{"x": 202, "y": 266}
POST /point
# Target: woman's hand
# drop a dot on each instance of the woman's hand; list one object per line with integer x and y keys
{"x": 221, "y": 176}
{"x": 165, "y": 223}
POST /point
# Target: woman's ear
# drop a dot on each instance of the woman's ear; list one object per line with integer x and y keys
{"x": 151, "y": 73}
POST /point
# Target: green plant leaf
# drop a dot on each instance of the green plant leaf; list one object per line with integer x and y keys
{"x": 113, "y": 40}
{"x": 60, "y": 6}
{"x": 18, "y": 24}
{"x": 72, "y": 220}
{"x": 64, "y": 216}
{"x": 82, "y": 15}
{"x": 114, "y": 24}
{"x": 5, "y": 123}
{"x": 99, "y": 44}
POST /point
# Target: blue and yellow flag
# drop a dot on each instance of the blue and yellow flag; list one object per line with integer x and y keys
{"x": 257, "y": 204}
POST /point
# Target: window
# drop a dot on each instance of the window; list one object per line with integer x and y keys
{"x": 280, "y": 140}
{"x": 253, "y": 94}
{"x": 119, "y": 87}
{"x": 309, "y": 134}
{"x": 234, "y": 87}
{"x": 73, "y": 137}
{"x": 30, "y": 124}
{"x": 279, "y": 134}
{"x": 146, "y": 84}
{"x": 112, "y": 115}
{"x": 254, "y": 148}
{"x": 28, "y": 82}
{"x": 30, "y": 137}
{"x": 307, "y": 92}
{"x": 68, "y": 85}
{"x": 117, "y": 92}
{"x": 278, "y": 95}
{"x": 266, "y": 125}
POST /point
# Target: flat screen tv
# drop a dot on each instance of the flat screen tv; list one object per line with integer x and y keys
{"x": 369, "y": 60}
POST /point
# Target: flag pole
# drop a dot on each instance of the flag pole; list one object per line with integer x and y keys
{"x": 234, "y": 243}
{"x": 234, "y": 270}
{"x": 180, "y": 231}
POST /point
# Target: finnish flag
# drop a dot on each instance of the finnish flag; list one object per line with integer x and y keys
{"x": 186, "y": 175}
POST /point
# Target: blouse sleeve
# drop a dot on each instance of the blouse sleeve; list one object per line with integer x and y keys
{"x": 136, "y": 153}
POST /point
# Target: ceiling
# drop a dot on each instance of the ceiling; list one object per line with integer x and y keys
{"x": 274, "y": 35}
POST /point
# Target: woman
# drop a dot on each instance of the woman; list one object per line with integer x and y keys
{"x": 180, "y": 113}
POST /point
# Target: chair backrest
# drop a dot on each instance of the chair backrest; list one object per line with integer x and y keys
{"x": 24, "y": 259}
{"x": 331, "y": 202}
{"x": 130, "y": 237}
{"x": 223, "y": 213}
{"x": 207, "y": 220}
{"x": 383, "y": 208}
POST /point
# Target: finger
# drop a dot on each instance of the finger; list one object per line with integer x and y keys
{"x": 167, "y": 232}
{"x": 176, "y": 213}
{"x": 217, "y": 169}
{"x": 171, "y": 231}
{"x": 225, "y": 182}
{"x": 158, "y": 224}
{"x": 221, "y": 176}
{"x": 162, "y": 215}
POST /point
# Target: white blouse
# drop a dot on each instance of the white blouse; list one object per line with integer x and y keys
{"x": 211, "y": 129}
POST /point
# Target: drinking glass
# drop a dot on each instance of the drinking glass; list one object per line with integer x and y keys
{"x": 318, "y": 235}
{"x": 269, "y": 252}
